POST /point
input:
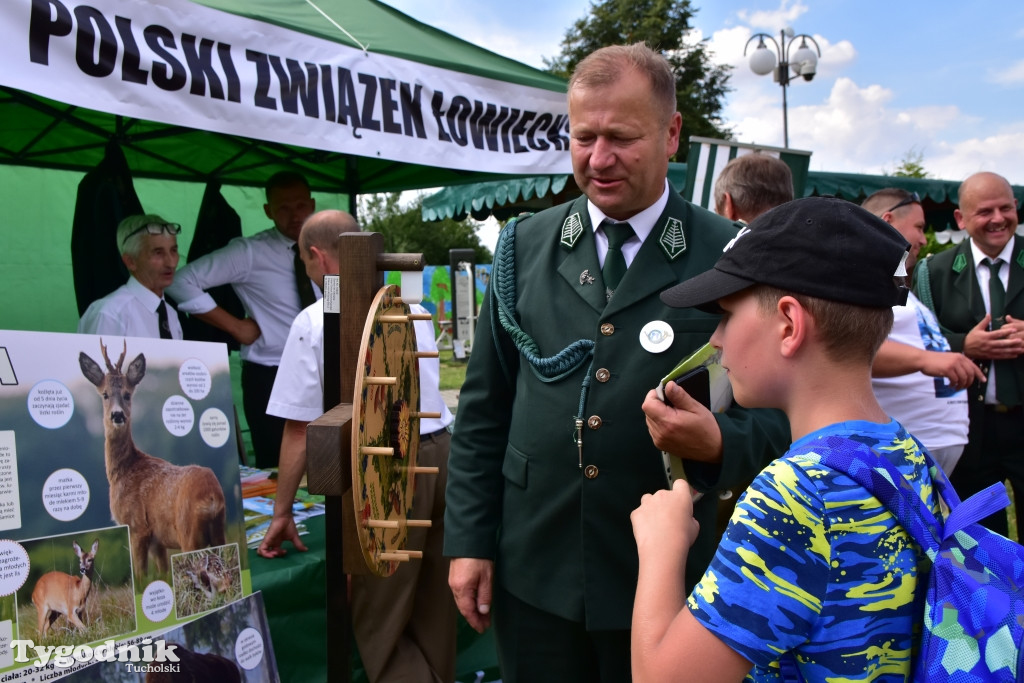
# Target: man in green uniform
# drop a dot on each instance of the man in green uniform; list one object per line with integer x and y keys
{"x": 551, "y": 450}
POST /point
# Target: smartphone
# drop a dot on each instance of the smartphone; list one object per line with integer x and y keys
{"x": 697, "y": 383}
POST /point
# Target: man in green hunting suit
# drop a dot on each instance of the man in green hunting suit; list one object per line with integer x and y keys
{"x": 551, "y": 450}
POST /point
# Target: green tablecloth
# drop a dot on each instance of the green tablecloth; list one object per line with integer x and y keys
{"x": 294, "y": 590}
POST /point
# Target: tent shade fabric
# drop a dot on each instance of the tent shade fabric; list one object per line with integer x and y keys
{"x": 939, "y": 196}
{"x": 190, "y": 93}
{"x": 708, "y": 156}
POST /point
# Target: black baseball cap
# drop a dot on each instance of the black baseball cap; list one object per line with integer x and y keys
{"x": 822, "y": 247}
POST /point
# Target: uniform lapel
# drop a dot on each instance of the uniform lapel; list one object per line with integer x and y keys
{"x": 580, "y": 267}
{"x": 966, "y": 282}
{"x": 1016, "y": 272}
{"x": 651, "y": 271}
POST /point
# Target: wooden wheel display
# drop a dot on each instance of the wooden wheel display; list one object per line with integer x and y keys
{"x": 385, "y": 433}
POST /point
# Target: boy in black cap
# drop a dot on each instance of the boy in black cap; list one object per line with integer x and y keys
{"x": 813, "y": 572}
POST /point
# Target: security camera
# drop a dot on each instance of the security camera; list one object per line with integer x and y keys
{"x": 808, "y": 69}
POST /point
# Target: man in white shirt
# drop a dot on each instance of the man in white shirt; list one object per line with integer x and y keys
{"x": 149, "y": 249}
{"x": 404, "y": 625}
{"x": 262, "y": 270}
{"x": 916, "y": 377}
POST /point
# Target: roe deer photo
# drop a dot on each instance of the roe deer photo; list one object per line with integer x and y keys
{"x": 57, "y": 593}
{"x": 164, "y": 505}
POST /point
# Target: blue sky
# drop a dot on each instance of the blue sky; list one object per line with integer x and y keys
{"x": 942, "y": 79}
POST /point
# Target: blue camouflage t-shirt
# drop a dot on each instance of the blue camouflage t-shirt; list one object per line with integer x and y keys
{"x": 813, "y": 564}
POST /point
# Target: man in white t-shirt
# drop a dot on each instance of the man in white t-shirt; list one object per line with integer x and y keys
{"x": 917, "y": 378}
{"x": 404, "y": 625}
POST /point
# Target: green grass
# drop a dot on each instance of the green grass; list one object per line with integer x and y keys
{"x": 453, "y": 372}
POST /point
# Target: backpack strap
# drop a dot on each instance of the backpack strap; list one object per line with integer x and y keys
{"x": 880, "y": 477}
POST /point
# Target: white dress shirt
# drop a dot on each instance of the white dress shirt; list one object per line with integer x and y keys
{"x": 128, "y": 311}
{"x": 642, "y": 224}
{"x": 261, "y": 270}
{"x": 298, "y": 392}
{"x": 984, "y": 274}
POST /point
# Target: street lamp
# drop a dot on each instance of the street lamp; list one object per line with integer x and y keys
{"x": 803, "y": 62}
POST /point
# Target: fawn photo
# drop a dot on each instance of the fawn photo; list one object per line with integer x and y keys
{"x": 79, "y": 588}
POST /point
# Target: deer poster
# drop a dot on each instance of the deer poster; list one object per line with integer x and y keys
{"x": 120, "y": 500}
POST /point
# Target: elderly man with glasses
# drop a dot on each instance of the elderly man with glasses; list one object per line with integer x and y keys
{"x": 149, "y": 249}
{"x": 916, "y": 377}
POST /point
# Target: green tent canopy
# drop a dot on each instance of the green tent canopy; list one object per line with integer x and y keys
{"x": 42, "y": 131}
{"x": 61, "y": 116}
{"x": 511, "y": 196}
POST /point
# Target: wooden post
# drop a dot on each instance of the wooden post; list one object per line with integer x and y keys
{"x": 328, "y": 439}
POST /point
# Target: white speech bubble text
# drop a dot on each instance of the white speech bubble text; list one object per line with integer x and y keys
{"x": 13, "y": 566}
{"x": 214, "y": 427}
{"x": 50, "y": 404}
{"x": 66, "y": 494}
{"x": 194, "y": 378}
{"x": 157, "y": 601}
{"x": 178, "y": 415}
{"x": 249, "y": 648}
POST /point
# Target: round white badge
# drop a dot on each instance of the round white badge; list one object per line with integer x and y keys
{"x": 656, "y": 336}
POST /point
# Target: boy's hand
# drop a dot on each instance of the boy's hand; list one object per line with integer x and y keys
{"x": 682, "y": 426}
{"x": 663, "y": 524}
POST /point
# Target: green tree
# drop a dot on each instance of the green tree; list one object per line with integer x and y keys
{"x": 406, "y": 232}
{"x": 911, "y": 165}
{"x": 665, "y": 25}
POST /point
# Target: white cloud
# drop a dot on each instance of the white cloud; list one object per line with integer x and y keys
{"x": 999, "y": 152}
{"x": 774, "y": 20}
{"x": 1011, "y": 75}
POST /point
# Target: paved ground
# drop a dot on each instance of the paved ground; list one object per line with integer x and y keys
{"x": 451, "y": 398}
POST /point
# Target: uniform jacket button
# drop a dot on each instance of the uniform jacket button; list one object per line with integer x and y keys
{"x": 590, "y": 471}
{"x": 595, "y": 422}
{"x": 607, "y": 329}
{"x": 603, "y": 375}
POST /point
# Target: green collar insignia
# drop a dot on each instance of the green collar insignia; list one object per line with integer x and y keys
{"x": 672, "y": 240}
{"x": 959, "y": 263}
{"x": 1020, "y": 259}
{"x": 572, "y": 228}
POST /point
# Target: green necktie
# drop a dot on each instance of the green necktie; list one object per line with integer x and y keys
{"x": 1006, "y": 383}
{"x": 614, "y": 262}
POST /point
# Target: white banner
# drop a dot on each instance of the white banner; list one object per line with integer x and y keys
{"x": 180, "y": 63}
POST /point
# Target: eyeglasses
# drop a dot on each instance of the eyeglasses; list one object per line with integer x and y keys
{"x": 912, "y": 198}
{"x": 154, "y": 229}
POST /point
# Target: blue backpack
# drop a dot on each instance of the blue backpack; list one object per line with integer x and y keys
{"x": 973, "y": 627}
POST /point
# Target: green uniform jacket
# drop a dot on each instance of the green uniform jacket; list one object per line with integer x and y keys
{"x": 957, "y": 302}
{"x": 562, "y": 541}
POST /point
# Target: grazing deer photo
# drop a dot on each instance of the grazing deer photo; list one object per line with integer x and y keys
{"x": 57, "y": 593}
{"x": 164, "y": 505}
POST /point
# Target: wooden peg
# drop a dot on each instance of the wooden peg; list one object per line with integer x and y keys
{"x": 377, "y": 450}
{"x": 423, "y": 415}
{"x": 419, "y": 523}
{"x": 382, "y": 524}
{"x": 424, "y": 470}
{"x": 420, "y": 316}
{"x": 398, "y": 557}
{"x": 394, "y": 318}
{"x": 427, "y": 354}
{"x": 381, "y": 380}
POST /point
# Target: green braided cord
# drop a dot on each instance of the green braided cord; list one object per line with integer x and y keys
{"x": 924, "y": 284}
{"x": 503, "y": 284}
